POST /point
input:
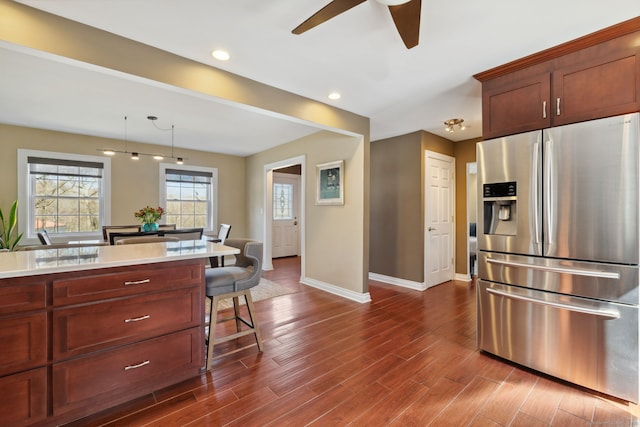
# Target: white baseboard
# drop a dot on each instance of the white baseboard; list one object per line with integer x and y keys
{"x": 336, "y": 290}
{"x": 462, "y": 277}
{"x": 398, "y": 282}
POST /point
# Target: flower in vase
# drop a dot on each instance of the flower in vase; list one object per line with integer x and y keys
{"x": 149, "y": 215}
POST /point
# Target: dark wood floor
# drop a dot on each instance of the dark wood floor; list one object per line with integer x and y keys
{"x": 407, "y": 358}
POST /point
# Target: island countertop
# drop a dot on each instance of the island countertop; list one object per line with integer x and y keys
{"x": 59, "y": 260}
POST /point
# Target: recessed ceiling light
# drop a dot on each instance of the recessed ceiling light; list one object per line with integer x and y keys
{"x": 334, "y": 95}
{"x": 221, "y": 55}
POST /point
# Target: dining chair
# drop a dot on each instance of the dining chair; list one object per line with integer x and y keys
{"x": 166, "y": 226}
{"x": 115, "y": 236}
{"x": 44, "y": 238}
{"x": 184, "y": 233}
{"x": 223, "y": 233}
{"x": 108, "y": 229}
{"x": 232, "y": 282}
{"x": 145, "y": 239}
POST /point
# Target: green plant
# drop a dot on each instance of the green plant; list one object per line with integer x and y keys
{"x": 9, "y": 236}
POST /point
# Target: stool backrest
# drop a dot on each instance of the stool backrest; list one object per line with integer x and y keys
{"x": 250, "y": 257}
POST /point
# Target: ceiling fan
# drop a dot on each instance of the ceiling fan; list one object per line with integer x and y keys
{"x": 405, "y": 14}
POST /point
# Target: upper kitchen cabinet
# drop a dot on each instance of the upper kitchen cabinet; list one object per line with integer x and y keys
{"x": 514, "y": 106}
{"x": 596, "y": 88}
{"x": 595, "y": 76}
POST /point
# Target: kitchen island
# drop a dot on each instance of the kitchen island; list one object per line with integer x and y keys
{"x": 85, "y": 329}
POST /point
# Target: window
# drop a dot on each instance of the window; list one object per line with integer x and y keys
{"x": 189, "y": 196}
{"x": 282, "y": 201}
{"x": 62, "y": 193}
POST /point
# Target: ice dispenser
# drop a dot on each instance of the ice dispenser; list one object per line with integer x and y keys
{"x": 500, "y": 208}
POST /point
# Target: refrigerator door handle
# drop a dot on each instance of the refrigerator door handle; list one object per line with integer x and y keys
{"x": 610, "y": 314}
{"x": 548, "y": 193}
{"x": 535, "y": 195}
{"x": 566, "y": 270}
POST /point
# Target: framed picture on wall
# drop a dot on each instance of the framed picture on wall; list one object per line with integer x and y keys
{"x": 330, "y": 183}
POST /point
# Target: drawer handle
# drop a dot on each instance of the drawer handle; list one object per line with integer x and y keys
{"x": 137, "y": 282}
{"x": 137, "y": 319}
{"x": 139, "y": 365}
{"x": 610, "y": 314}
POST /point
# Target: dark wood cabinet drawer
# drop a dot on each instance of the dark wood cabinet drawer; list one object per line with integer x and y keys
{"x": 23, "y": 341}
{"x": 21, "y": 295}
{"x": 128, "y": 281}
{"x": 111, "y": 377}
{"x": 23, "y": 398}
{"x": 82, "y": 329}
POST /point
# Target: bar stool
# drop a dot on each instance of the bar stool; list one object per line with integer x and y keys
{"x": 232, "y": 282}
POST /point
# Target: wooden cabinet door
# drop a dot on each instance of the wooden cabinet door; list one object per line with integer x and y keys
{"x": 24, "y": 398}
{"x": 510, "y": 107}
{"x": 601, "y": 87}
{"x": 23, "y": 340}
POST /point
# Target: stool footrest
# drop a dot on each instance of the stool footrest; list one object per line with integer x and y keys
{"x": 251, "y": 323}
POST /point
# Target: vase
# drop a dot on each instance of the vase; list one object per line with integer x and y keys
{"x": 149, "y": 226}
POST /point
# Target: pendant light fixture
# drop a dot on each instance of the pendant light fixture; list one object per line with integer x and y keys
{"x": 135, "y": 155}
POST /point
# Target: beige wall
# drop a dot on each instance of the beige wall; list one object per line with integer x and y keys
{"x": 334, "y": 235}
{"x": 134, "y": 184}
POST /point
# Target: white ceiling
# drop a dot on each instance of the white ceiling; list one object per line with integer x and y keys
{"x": 358, "y": 53}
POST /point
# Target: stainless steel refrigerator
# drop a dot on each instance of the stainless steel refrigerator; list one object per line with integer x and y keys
{"x": 559, "y": 244}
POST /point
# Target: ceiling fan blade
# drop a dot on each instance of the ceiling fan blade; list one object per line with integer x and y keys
{"x": 407, "y": 19}
{"x": 333, "y": 9}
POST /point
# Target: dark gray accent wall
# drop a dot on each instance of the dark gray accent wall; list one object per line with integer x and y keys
{"x": 396, "y": 246}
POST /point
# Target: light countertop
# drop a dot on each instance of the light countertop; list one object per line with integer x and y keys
{"x": 59, "y": 260}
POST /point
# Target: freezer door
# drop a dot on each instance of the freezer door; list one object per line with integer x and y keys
{"x": 587, "y": 342}
{"x": 610, "y": 282}
{"x": 591, "y": 188}
{"x": 509, "y": 194}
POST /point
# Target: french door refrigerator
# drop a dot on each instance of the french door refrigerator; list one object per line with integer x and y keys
{"x": 559, "y": 243}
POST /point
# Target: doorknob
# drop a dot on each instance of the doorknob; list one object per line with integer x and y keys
{"x": 430, "y": 229}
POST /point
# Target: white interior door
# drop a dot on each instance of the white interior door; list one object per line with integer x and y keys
{"x": 285, "y": 240}
{"x": 439, "y": 218}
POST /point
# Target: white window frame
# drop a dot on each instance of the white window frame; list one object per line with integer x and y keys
{"x": 24, "y": 193}
{"x": 212, "y": 221}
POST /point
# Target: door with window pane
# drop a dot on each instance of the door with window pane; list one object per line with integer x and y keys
{"x": 285, "y": 215}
